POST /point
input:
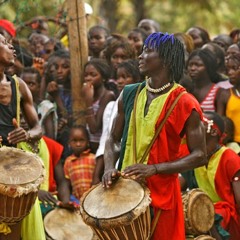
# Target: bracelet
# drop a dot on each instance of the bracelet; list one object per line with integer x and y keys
{"x": 156, "y": 171}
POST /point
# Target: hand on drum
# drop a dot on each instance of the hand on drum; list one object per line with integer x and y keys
{"x": 69, "y": 205}
{"x": 18, "y": 134}
{"x": 47, "y": 198}
{"x": 139, "y": 171}
{"x": 109, "y": 177}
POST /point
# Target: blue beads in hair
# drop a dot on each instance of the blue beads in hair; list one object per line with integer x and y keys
{"x": 154, "y": 40}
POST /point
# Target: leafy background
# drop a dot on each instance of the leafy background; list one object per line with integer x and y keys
{"x": 217, "y": 16}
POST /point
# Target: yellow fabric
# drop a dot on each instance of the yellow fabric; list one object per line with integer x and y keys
{"x": 5, "y": 229}
{"x": 205, "y": 176}
{"x": 233, "y": 112}
{"x": 64, "y": 41}
{"x": 44, "y": 155}
{"x": 32, "y": 225}
{"x": 145, "y": 126}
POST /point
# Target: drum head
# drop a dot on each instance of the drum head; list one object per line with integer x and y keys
{"x": 18, "y": 166}
{"x": 124, "y": 196}
{"x": 62, "y": 224}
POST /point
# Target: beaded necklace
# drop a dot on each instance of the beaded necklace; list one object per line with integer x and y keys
{"x": 156, "y": 90}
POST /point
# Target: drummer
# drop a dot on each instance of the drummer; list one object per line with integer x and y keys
{"x": 224, "y": 171}
{"x": 162, "y": 60}
{"x": 10, "y": 132}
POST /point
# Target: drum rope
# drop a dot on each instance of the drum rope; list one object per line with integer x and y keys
{"x": 134, "y": 230}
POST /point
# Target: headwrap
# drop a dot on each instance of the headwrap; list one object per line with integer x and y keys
{"x": 8, "y": 26}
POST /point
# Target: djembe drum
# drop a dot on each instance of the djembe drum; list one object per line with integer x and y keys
{"x": 198, "y": 212}
{"x": 119, "y": 213}
{"x": 21, "y": 175}
{"x": 62, "y": 224}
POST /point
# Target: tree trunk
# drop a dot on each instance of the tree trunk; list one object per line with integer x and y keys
{"x": 78, "y": 47}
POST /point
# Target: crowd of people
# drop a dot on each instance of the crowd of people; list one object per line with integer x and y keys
{"x": 139, "y": 74}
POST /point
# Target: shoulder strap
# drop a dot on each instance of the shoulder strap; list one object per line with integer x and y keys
{"x": 18, "y": 97}
{"x": 158, "y": 129}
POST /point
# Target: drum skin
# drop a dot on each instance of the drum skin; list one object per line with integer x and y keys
{"x": 21, "y": 176}
{"x": 119, "y": 213}
{"x": 198, "y": 212}
{"x": 62, "y": 224}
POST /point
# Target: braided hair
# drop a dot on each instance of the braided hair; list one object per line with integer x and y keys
{"x": 170, "y": 50}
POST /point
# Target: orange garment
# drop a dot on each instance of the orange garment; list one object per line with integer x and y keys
{"x": 233, "y": 112}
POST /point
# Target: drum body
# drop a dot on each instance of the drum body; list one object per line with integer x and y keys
{"x": 62, "y": 224}
{"x": 21, "y": 175}
{"x": 198, "y": 212}
{"x": 119, "y": 213}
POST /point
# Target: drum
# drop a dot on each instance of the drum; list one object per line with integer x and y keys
{"x": 119, "y": 213}
{"x": 62, "y": 224}
{"x": 21, "y": 175}
{"x": 198, "y": 212}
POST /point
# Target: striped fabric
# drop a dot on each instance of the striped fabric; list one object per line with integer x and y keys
{"x": 208, "y": 104}
{"x": 79, "y": 170}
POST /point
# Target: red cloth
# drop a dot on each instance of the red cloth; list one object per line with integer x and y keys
{"x": 165, "y": 188}
{"x": 8, "y": 26}
{"x": 228, "y": 166}
{"x": 55, "y": 151}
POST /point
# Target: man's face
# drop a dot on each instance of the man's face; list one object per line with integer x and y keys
{"x": 7, "y": 52}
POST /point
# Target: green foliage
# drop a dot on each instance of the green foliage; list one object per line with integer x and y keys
{"x": 217, "y": 16}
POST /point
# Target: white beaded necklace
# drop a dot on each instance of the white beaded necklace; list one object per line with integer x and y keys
{"x": 156, "y": 90}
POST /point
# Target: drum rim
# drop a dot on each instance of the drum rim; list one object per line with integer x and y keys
{"x": 190, "y": 227}
{"x": 115, "y": 217}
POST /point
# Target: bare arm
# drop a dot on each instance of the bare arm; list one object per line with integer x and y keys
{"x": 35, "y": 132}
{"x": 95, "y": 121}
{"x": 236, "y": 191}
{"x": 221, "y": 101}
{"x": 112, "y": 147}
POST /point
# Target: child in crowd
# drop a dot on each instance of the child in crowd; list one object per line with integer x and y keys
{"x": 96, "y": 96}
{"x": 46, "y": 109}
{"x": 97, "y": 40}
{"x": 136, "y": 38}
{"x": 79, "y": 166}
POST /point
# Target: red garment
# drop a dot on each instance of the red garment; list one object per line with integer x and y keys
{"x": 165, "y": 188}
{"x": 55, "y": 151}
{"x": 228, "y": 166}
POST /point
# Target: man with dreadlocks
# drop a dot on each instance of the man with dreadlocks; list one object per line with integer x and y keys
{"x": 151, "y": 133}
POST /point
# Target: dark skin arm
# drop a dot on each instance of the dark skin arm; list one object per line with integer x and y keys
{"x": 222, "y": 101}
{"x": 98, "y": 171}
{"x": 94, "y": 121}
{"x": 195, "y": 136}
{"x": 236, "y": 191}
{"x": 112, "y": 147}
{"x": 30, "y": 115}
